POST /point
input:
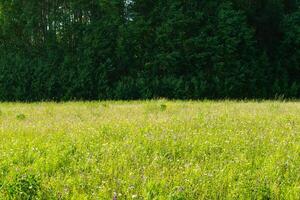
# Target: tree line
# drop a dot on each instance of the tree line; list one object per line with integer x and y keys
{"x": 142, "y": 49}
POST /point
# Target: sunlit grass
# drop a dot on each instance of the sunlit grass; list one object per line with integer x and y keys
{"x": 150, "y": 150}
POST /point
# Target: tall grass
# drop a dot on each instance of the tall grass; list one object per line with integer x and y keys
{"x": 150, "y": 150}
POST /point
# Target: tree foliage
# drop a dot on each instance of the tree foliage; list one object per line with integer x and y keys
{"x": 121, "y": 49}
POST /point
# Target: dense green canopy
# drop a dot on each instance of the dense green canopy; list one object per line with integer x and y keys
{"x": 140, "y": 49}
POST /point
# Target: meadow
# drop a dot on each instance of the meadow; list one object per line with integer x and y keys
{"x": 150, "y": 150}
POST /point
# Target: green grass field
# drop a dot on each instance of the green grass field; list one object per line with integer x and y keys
{"x": 150, "y": 150}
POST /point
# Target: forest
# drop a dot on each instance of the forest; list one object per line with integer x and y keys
{"x": 59, "y": 50}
